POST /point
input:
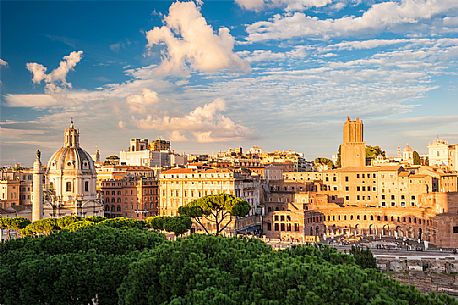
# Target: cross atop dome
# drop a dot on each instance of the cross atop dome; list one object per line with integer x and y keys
{"x": 71, "y": 123}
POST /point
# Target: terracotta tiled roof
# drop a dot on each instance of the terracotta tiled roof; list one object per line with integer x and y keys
{"x": 179, "y": 170}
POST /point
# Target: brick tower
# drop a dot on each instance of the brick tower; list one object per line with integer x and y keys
{"x": 353, "y": 149}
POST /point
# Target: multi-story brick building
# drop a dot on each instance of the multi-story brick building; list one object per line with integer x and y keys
{"x": 15, "y": 190}
{"x": 133, "y": 197}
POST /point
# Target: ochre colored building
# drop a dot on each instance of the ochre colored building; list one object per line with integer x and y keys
{"x": 418, "y": 203}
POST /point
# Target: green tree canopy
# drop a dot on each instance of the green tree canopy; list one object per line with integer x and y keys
{"x": 324, "y": 161}
{"x": 129, "y": 266}
{"x": 13, "y": 224}
{"x": 176, "y": 224}
{"x": 339, "y": 157}
{"x": 416, "y": 158}
{"x": 219, "y": 210}
{"x": 67, "y": 268}
{"x": 373, "y": 151}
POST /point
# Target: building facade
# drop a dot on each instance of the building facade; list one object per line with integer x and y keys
{"x": 180, "y": 186}
{"x": 70, "y": 176}
{"x": 417, "y": 203}
{"x": 131, "y": 196}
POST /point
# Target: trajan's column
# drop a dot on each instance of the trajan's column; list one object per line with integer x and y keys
{"x": 37, "y": 196}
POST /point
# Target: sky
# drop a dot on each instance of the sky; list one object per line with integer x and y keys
{"x": 211, "y": 75}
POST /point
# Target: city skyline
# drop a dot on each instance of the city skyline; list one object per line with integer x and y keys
{"x": 214, "y": 75}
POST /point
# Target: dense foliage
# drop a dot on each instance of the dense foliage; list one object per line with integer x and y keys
{"x": 176, "y": 224}
{"x": 416, "y": 158}
{"x": 71, "y": 268}
{"x": 324, "y": 161}
{"x": 123, "y": 264}
{"x": 363, "y": 257}
{"x": 373, "y": 151}
{"x": 215, "y": 210}
{"x": 13, "y": 224}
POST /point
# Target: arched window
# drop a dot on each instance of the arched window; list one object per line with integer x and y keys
{"x": 86, "y": 186}
{"x": 112, "y": 199}
{"x": 112, "y": 208}
{"x": 118, "y": 208}
{"x": 68, "y": 186}
{"x": 107, "y": 208}
{"x": 119, "y": 200}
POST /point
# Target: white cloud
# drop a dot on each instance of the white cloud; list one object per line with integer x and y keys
{"x": 31, "y": 100}
{"x": 288, "y": 5}
{"x": 253, "y": 5}
{"x": 367, "y": 44}
{"x": 3, "y": 63}
{"x": 269, "y": 56}
{"x": 140, "y": 103}
{"x": 381, "y": 16}
{"x": 206, "y": 123}
{"x": 56, "y": 80}
{"x": 450, "y": 21}
{"x": 177, "y": 136}
{"x": 191, "y": 43}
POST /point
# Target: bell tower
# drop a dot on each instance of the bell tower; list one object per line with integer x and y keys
{"x": 72, "y": 136}
{"x": 353, "y": 149}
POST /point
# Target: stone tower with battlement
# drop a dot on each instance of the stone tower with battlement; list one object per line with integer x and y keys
{"x": 353, "y": 149}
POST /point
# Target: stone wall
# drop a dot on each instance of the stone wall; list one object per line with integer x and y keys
{"x": 427, "y": 273}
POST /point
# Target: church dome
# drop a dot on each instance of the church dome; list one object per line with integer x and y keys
{"x": 71, "y": 157}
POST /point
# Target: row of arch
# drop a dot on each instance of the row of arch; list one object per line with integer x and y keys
{"x": 399, "y": 219}
{"x": 386, "y": 230}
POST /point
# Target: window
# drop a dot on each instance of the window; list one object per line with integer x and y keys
{"x": 383, "y": 196}
{"x": 364, "y": 188}
{"x": 347, "y": 188}
{"x": 357, "y": 197}
{"x": 357, "y": 175}
{"x": 296, "y": 227}
{"x": 276, "y": 226}
{"x": 392, "y": 197}
{"x": 346, "y": 178}
{"x": 363, "y": 175}
{"x": 455, "y": 230}
{"x": 347, "y": 198}
{"x": 269, "y": 226}
{"x": 86, "y": 186}
{"x": 68, "y": 186}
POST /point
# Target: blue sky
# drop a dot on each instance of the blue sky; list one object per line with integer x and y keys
{"x": 282, "y": 74}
